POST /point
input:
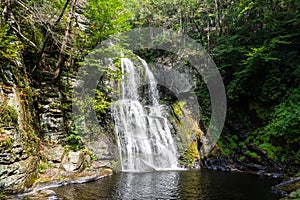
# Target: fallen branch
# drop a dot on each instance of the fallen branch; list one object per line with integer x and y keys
{"x": 24, "y": 37}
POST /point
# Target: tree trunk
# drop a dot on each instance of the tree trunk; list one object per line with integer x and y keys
{"x": 208, "y": 36}
{"x": 65, "y": 39}
{"x": 218, "y": 20}
{"x": 48, "y": 35}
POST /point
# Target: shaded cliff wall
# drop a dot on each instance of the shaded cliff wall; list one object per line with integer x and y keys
{"x": 18, "y": 135}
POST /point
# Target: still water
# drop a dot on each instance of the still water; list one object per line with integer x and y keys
{"x": 189, "y": 184}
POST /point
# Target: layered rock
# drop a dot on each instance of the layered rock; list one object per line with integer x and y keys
{"x": 50, "y": 111}
{"x": 18, "y": 138}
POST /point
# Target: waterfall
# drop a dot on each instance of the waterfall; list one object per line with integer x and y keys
{"x": 144, "y": 138}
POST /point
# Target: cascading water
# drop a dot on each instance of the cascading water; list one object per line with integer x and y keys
{"x": 144, "y": 137}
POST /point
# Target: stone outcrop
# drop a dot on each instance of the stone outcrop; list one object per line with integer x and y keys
{"x": 18, "y": 137}
{"x": 289, "y": 188}
{"x": 50, "y": 111}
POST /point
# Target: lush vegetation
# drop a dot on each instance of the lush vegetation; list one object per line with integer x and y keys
{"x": 255, "y": 45}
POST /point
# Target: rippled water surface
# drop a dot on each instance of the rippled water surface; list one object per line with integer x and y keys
{"x": 190, "y": 184}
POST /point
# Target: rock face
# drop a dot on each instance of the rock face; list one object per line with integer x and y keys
{"x": 177, "y": 83}
{"x": 35, "y": 121}
{"x": 18, "y": 139}
{"x": 187, "y": 134}
{"x": 50, "y": 111}
{"x": 105, "y": 150}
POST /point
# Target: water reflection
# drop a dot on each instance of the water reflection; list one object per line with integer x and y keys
{"x": 152, "y": 185}
{"x": 191, "y": 184}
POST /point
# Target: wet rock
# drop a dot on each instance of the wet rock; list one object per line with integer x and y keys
{"x": 261, "y": 172}
{"x": 107, "y": 172}
{"x": 287, "y": 187}
{"x": 105, "y": 150}
{"x": 39, "y": 195}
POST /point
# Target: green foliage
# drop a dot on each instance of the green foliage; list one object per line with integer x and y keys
{"x": 228, "y": 145}
{"x": 259, "y": 54}
{"x": 285, "y": 119}
{"x": 9, "y": 46}
{"x": 270, "y": 149}
{"x": 281, "y": 134}
{"x": 101, "y": 102}
{"x": 255, "y": 45}
{"x": 74, "y": 140}
{"x": 107, "y": 18}
{"x": 252, "y": 154}
{"x": 8, "y": 115}
{"x": 42, "y": 168}
{"x": 295, "y": 195}
{"x": 7, "y": 142}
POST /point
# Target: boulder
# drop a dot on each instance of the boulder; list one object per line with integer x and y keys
{"x": 73, "y": 161}
{"x": 54, "y": 154}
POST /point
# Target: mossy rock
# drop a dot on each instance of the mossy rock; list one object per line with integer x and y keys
{"x": 292, "y": 186}
{"x": 190, "y": 155}
{"x": 6, "y": 141}
{"x": 8, "y": 115}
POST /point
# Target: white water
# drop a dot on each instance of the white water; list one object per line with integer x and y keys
{"x": 144, "y": 137}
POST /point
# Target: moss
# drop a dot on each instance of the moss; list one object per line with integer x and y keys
{"x": 177, "y": 108}
{"x": 55, "y": 105}
{"x": 30, "y": 180}
{"x": 7, "y": 142}
{"x": 31, "y": 144}
{"x": 190, "y": 155}
{"x": 8, "y": 115}
{"x": 252, "y": 154}
{"x": 269, "y": 148}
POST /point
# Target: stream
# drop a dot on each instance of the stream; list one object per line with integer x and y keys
{"x": 188, "y": 184}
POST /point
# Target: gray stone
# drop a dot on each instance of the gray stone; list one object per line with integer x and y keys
{"x": 73, "y": 161}
{"x": 46, "y": 193}
{"x": 40, "y": 195}
{"x": 54, "y": 153}
{"x": 19, "y": 175}
{"x": 105, "y": 150}
{"x": 51, "y": 115}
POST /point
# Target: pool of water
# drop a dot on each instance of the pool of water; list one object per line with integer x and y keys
{"x": 189, "y": 184}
